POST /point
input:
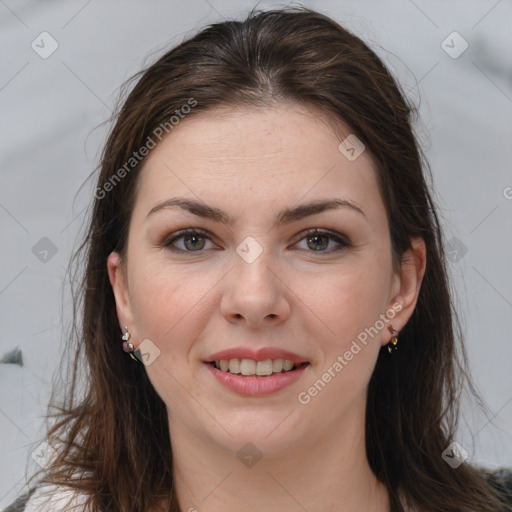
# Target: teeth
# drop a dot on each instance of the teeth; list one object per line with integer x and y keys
{"x": 251, "y": 367}
{"x": 264, "y": 367}
{"x": 287, "y": 365}
{"x": 277, "y": 365}
{"x": 247, "y": 367}
{"x": 234, "y": 365}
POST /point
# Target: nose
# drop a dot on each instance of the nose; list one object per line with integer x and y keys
{"x": 254, "y": 294}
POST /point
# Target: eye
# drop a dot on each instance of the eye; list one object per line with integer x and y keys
{"x": 319, "y": 240}
{"x": 194, "y": 240}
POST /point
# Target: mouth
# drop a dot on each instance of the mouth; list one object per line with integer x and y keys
{"x": 253, "y": 368}
{"x": 263, "y": 375}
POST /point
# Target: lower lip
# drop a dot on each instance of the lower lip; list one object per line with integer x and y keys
{"x": 257, "y": 386}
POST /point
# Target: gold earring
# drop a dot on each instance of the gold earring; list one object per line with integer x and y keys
{"x": 394, "y": 340}
{"x": 127, "y": 346}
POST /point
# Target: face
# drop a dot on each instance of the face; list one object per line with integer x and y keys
{"x": 258, "y": 288}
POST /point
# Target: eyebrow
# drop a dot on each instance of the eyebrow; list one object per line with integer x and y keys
{"x": 286, "y": 216}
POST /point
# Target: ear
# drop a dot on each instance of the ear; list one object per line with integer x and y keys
{"x": 406, "y": 286}
{"x": 118, "y": 279}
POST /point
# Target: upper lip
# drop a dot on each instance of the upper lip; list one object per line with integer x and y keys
{"x": 256, "y": 354}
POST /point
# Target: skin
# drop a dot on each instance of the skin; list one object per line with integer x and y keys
{"x": 252, "y": 163}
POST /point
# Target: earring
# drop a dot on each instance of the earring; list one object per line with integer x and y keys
{"x": 394, "y": 340}
{"x": 127, "y": 346}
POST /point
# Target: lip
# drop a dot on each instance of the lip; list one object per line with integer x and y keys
{"x": 257, "y": 355}
{"x": 256, "y": 386}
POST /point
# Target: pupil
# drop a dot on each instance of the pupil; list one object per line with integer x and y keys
{"x": 194, "y": 237}
{"x": 317, "y": 237}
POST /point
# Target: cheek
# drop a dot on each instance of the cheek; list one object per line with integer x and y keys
{"x": 348, "y": 303}
{"x": 168, "y": 303}
{"x": 351, "y": 344}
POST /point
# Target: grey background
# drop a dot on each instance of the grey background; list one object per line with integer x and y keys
{"x": 50, "y": 142}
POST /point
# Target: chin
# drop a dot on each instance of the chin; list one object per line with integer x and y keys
{"x": 264, "y": 434}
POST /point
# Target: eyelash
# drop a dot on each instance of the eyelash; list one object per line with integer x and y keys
{"x": 167, "y": 243}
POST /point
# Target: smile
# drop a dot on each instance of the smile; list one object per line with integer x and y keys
{"x": 252, "y": 384}
{"x": 248, "y": 367}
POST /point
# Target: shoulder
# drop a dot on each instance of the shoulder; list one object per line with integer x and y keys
{"x": 51, "y": 498}
{"x": 501, "y": 481}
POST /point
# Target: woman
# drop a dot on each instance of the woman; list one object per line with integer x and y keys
{"x": 264, "y": 248}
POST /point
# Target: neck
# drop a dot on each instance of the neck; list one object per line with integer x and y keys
{"x": 328, "y": 473}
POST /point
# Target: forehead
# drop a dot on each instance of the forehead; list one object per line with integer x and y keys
{"x": 246, "y": 156}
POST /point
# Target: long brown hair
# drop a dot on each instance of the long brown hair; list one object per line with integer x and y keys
{"x": 113, "y": 429}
